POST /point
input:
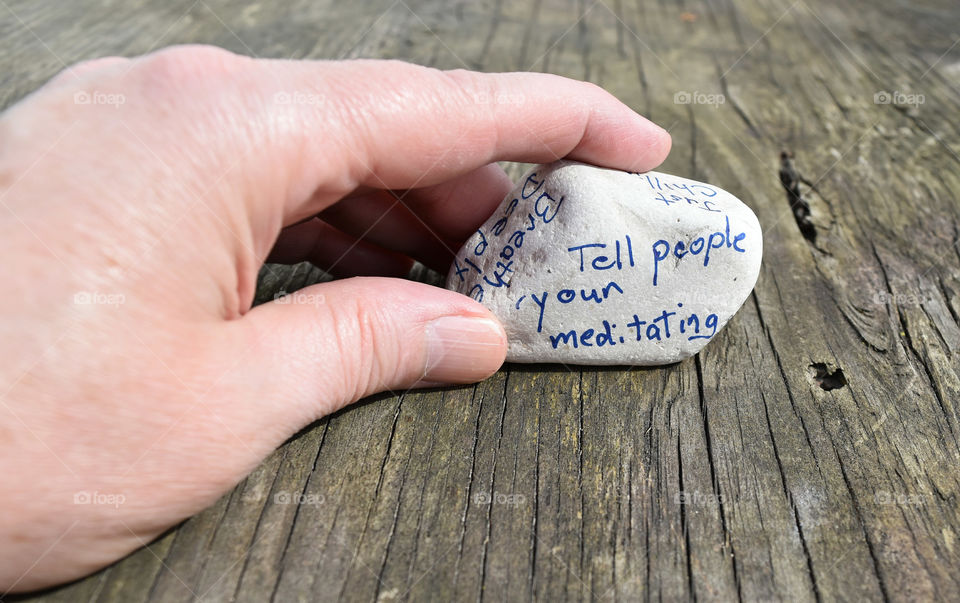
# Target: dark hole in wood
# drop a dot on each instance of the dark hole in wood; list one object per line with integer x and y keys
{"x": 828, "y": 380}
{"x": 790, "y": 180}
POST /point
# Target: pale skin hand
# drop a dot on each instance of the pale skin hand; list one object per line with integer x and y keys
{"x": 134, "y": 374}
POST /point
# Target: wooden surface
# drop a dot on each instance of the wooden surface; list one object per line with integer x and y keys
{"x": 809, "y": 452}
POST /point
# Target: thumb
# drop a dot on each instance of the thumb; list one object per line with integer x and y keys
{"x": 325, "y": 346}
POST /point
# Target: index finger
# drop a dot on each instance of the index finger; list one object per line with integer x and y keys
{"x": 388, "y": 124}
{"x": 297, "y": 136}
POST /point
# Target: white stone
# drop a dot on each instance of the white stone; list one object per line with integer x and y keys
{"x": 585, "y": 265}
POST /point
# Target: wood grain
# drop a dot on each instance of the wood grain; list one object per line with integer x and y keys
{"x": 752, "y": 471}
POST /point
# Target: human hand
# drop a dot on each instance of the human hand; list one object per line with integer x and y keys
{"x": 137, "y": 383}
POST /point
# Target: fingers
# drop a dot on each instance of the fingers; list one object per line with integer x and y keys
{"x": 309, "y": 132}
{"x": 332, "y": 344}
{"x": 396, "y": 126}
{"x": 457, "y": 121}
{"x": 279, "y": 141}
{"x": 336, "y": 252}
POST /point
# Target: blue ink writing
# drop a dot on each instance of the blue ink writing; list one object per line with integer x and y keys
{"x": 715, "y": 240}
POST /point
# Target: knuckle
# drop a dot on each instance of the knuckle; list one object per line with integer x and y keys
{"x": 476, "y": 95}
{"x": 594, "y": 88}
{"x": 467, "y": 86}
{"x": 180, "y": 65}
{"x": 591, "y": 94}
{"x": 366, "y": 349}
{"x": 191, "y": 87}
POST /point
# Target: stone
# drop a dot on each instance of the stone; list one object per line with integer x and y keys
{"x": 586, "y": 265}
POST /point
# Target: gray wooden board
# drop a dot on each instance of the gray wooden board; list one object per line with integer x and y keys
{"x": 754, "y": 470}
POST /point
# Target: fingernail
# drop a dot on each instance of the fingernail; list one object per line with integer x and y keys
{"x": 461, "y": 349}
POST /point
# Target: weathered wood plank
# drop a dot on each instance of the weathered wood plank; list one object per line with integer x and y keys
{"x": 753, "y": 471}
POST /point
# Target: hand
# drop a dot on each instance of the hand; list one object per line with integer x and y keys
{"x": 139, "y": 198}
